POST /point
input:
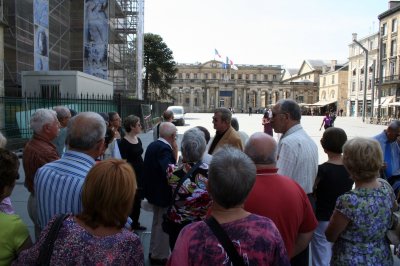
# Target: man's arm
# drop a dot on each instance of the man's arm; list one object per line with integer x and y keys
{"x": 302, "y": 241}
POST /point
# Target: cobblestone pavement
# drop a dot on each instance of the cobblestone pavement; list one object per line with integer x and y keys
{"x": 249, "y": 124}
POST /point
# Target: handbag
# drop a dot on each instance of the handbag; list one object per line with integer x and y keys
{"x": 225, "y": 241}
{"x": 167, "y": 225}
{"x": 46, "y": 249}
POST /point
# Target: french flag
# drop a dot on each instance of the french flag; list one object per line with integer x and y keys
{"x": 216, "y": 53}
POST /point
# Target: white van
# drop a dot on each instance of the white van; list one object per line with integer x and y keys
{"x": 179, "y": 115}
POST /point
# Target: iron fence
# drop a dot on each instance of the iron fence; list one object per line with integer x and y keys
{"x": 15, "y": 112}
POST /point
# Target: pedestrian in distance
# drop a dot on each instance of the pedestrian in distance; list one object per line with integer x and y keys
{"x": 326, "y": 121}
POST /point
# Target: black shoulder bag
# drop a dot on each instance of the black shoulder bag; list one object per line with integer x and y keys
{"x": 46, "y": 249}
{"x": 225, "y": 241}
{"x": 168, "y": 225}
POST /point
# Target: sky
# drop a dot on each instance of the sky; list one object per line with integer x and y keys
{"x": 279, "y": 32}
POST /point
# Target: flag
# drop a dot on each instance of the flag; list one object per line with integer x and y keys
{"x": 216, "y": 53}
{"x": 233, "y": 66}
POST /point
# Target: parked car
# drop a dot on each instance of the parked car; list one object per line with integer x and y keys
{"x": 179, "y": 115}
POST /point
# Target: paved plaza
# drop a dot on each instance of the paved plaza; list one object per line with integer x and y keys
{"x": 249, "y": 124}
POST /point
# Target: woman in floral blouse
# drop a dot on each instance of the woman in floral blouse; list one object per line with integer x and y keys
{"x": 363, "y": 215}
{"x": 192, "y": 201}
{"x": 97, "y": 235}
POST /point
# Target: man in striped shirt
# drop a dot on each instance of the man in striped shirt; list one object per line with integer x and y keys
{"x": 58, "y": 184}
{"x": 297, "y": 153}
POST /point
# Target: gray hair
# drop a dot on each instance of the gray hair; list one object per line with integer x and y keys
{"x": 193, "y": 145}
{"x": 261, "y": 155}
{"x": 231, "y": 176}
{"x": 395, "y": 124}
{"x": 85, "y": 130}
{"x": 291, "y": 107}
{"x": 62, "y": 112}
{"x": 167, "y": 129}
{"x": 41, "y": 118}
{"x": 3, "y": 141}
{"x": 226, "y": 115}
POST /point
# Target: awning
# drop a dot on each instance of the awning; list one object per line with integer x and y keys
{"x": 323, "y": 103}
{"x": 385, "y": 101}
{"x": 394, "y": 104}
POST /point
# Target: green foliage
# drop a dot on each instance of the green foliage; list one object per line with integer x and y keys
{"x": 159, "y": 65}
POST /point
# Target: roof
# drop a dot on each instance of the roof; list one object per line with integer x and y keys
{"x": 389, "y": 12}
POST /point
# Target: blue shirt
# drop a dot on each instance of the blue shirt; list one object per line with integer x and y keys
{"x": 395, "y": 152}
{"x": 58, "y": 185}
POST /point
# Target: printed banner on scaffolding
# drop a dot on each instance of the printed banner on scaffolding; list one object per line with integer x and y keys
{"x": 95, "y": 38}
{"x": 41, "y": 35}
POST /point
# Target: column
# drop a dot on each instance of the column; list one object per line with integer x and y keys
{"x": 207, "y": 99}
{"x": 244, "y": 102}
{"x": 216, "y": 97}
{"x": 234, "y": 105}
{"x": 191, "y": 99}
{"x": 258, "y": 98}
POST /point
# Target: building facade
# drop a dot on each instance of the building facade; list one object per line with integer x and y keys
{"x": 356, "y": 76}
{"x": 103, "y": 38}
{"x": 202, "y": 87}
{"x": 389, "y": 63}
{"x": 333, "y": 85}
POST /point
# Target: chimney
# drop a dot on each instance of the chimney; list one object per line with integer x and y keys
{"x": 393, "y": 4}
{"x": 333, "y": 64}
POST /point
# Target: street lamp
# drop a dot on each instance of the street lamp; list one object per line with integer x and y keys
{"x": 365, "y": 75}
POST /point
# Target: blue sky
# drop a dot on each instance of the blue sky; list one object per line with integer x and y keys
{"x": 279, "y": 32}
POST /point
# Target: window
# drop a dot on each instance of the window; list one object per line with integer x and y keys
{"x": 232, "y": 76}
{"x": 265, "y": 77}
{"x": 384, "y": 55}
{"x": 273, "y": 77}
{"x": 196, "y": 103}
{"x": 362, "y": 71}
{"x": 180, "y": 75}
{"x": 354, "y": 72}
{"x": 187, "y": 101}
{"x": 187, "y": 75}
{"x": 205, "y": 76}
{"x": 195, "y": 75}
{"x": 50, "y": 91}
{"x": 240, "y": 76}
{"x": 393, "y": 48}
{"x": 394, "y": 25}
{"x": 384, "y": 29}
{"x": 247, "y": 77}
{"x": 214, "y": 76}
{"x": 361, "y": 85}
{"x": 353, "y": 86}
{"x": 369, "y": 84}
{"x": 333, "y": 79}
{"x": 324, "y": 82}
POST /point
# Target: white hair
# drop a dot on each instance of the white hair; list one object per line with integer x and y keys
{"x": 41, "y": 118}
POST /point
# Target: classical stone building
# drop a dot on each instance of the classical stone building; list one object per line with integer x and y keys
{"x": 201, "y": 87}
{"x": 333, "y": 86}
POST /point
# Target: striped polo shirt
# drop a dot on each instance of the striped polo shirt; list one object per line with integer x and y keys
{"x": 58, "y": 185}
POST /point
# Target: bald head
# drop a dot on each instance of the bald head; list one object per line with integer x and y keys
{"x": 261, "y": 148}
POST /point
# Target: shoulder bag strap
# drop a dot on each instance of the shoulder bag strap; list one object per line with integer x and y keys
{"x": 178, "y": 186}
{"x": 225, "y": 241}
{"x": 46, "y": 249}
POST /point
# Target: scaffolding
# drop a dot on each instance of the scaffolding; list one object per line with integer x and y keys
{"x": 66, "y": 19}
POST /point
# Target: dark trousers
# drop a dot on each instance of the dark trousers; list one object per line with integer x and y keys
{"x": 135, "y": 214}
{"x": 302, "y": 259}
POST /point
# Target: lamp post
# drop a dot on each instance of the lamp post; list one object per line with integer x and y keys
{"x": 365, "y": 75}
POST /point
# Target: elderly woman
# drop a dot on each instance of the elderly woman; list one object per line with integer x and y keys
{"x": 363, "y": 215}
{"x": 256, "y": 239}
{"x": 14, "y": 235}
{"x": 192, "y": 201}
{"x": 97, "y": 235}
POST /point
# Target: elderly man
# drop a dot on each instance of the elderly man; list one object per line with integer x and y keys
{"x": 159, "y": 161}
{"x": 63, "y": 116}
{"x": 225, "y": 133}
{"x": 391, "y": 152}
{"x": 37, "y": 152}
{"x": 167, "y": 116}
{"x": 292, "y": 214}
{"x": 58, "y": 184}
{"x": 297, "y": 153}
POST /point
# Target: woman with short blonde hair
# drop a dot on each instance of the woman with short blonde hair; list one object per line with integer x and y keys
{"x": 362, "y": 216}
{"x": 97, "y": 235}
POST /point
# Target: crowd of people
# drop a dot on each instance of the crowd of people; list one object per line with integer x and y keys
{"x": 230, "y": 199}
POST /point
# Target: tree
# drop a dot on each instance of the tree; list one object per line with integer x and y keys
{"x": 160, "y": 67}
